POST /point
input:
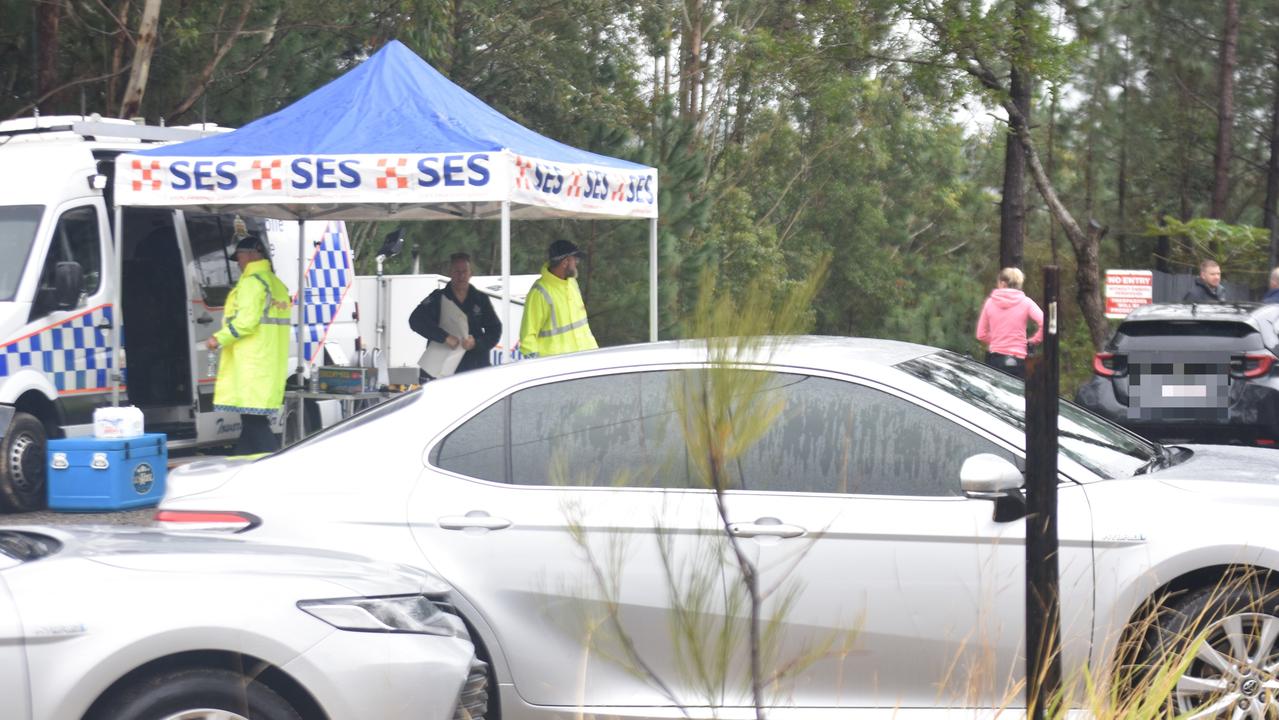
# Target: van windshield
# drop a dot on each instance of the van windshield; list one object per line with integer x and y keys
{"x": 18, "y": 225}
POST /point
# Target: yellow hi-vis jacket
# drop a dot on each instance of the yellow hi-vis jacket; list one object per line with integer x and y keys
{"x": 254, "y": 342}
{"x": 555, "y": 318}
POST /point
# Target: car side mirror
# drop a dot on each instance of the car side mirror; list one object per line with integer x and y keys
{"x": 990, "y": 477}
{"x": 987, "y": 477}
{"x": 68, "y": 284}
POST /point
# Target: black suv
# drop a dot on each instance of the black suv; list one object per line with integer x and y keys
{"x": 1206, "y": 373}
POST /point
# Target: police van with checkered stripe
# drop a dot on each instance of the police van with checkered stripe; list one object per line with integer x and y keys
{"x": 58, "y": 289}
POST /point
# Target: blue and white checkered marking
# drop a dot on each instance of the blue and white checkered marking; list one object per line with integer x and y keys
{"x": 327, "y": 281}
{"x": 75, "y": 354}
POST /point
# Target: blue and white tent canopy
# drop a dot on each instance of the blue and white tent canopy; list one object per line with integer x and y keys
{"x": 392, "y": 138}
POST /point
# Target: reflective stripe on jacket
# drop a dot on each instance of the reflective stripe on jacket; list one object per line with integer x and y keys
{"x": 555, "y": 318}
{"x": 254, "y": 343}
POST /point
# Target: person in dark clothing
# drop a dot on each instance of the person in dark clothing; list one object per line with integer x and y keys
{"x": 1272, "y": 295}
{"x": 1208, "y": 287}
{"x": 484, "y": 330}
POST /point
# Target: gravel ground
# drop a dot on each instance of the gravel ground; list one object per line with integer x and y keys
{"x": 141, "y": 516}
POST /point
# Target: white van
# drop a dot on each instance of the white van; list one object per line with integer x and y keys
{"x": 57, "y": 290}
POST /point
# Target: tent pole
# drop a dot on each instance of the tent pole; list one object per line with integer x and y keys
{"x": 117, "y": 306}
{"x": 301, "y": 412}
{"x": 652, "y": 280}
{"x": 506, "y": 276}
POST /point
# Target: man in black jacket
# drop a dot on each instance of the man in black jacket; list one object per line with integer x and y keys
{"x": 484, "y": 330}
{"x": 1208, "y": 287}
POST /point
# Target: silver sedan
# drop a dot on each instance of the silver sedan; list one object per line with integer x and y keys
{"x": 144, "y": 625}
{"x": 881, "y": 505}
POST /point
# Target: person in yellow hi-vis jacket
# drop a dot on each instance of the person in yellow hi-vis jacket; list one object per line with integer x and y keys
{"x": 554, "y": 314}
{"x": 255, "y": 348}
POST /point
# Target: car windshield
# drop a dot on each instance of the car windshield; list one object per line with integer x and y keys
{"x": 1103, "y": 447}
{"x": 18, "y": 225}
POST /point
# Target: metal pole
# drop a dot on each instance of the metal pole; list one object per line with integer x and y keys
{"x": 652, "y": 280}
{"x": 300, "y": 419}
{"x": 506, "y": 272}
{"x": 117, "y": 305}
{"x": 1043, "y": 601}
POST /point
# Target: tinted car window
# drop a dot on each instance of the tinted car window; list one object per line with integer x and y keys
{"x": 627, "y": 430}
{"x": 612, "y": 430}
{"x": 840, "y": 437}
{"x": 1187, "y": 335}
{"x": 478, "y": 447}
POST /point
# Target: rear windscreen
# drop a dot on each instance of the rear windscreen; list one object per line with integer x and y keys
{"x": 1188, "y": 334}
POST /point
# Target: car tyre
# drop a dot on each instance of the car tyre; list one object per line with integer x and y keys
{"x": 22, "y": 464}
{"x": 196, "y": 694}
{"x": 1232, "y": 671}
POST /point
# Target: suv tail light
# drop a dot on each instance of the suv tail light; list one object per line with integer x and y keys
{"x": 214, "y": 520}
{"x": 1109, "y": 364}
{"x": 1252, "y": 365}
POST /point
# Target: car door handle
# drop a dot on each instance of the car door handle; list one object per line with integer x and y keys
{"x": 204, "y": 319}
{"x": 476, "y": 519}
{"x": 766, "y": 527}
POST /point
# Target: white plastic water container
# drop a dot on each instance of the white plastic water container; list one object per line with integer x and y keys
{"x": 117, "y": 423}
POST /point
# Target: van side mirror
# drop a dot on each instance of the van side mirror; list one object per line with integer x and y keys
{"x": 991, "y": 477}
{"x": 68, "y": 284}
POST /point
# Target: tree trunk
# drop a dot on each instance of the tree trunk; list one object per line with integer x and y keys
{"x": 1085, "y": 245}
{"x": 119, "y": 39}
{"x": 202, "y": 85}
{"x": 1225, "y": 111}
{"x": 1052, "y": 164}
{"x": 1012, "y": 207}
{"x": 143, "y": 49}
{"x": 48, "y": 19}
{"x": 690, "y": 76}
{"x": 1272, "y": 174}
{"x": 1121, "y": 181}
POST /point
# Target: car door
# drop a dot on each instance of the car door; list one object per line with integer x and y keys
{"x": 13, "y": 681}
{"x": 898, "y": 591}
{"x": 561, "y": 501}
{"x": 72, "y": 345}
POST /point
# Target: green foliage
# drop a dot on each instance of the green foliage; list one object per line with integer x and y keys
{"x": 1198, "y": 239}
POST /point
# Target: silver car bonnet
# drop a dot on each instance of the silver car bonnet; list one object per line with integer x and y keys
{"x": 152, "y": 550}
{"x": 1247, "y": 465}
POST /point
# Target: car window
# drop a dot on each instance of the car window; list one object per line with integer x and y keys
{"x": 627, "y": 430}
{"x": 603, "y": 431}
{"x": 76, "y": 238}
{"x": 1101, "y": 446}
{"x": 833, "y": 436}
{"x": 478, "y": 448}
{"x": 1166, "y": 335}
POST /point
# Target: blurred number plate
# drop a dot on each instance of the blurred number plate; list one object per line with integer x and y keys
{"x": 1185, "y": 391}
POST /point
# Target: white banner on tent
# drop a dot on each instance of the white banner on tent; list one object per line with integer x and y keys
{"x": 407, "y": 179}
{"x": 584, "y": 188}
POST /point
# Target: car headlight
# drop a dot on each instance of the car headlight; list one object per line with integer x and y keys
{"x": 401, "y": 614}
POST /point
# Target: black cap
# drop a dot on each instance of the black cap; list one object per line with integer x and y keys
{"x": 251, "y": 242}
{"x": 561, "y": 249}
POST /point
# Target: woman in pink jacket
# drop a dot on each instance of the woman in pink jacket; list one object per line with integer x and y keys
{"x": 1002, "y": 325}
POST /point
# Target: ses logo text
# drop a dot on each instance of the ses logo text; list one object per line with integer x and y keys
{"x": 326, "y": 173}
{"x": 387, "y": 173}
